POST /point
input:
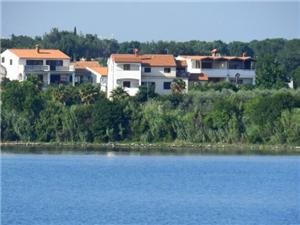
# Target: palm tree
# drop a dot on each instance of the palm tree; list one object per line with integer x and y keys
{"x": 119, "y": 94}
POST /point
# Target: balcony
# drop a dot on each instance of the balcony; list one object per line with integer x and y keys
{"x": 64, "y": 68}
{"x": 243, "y": 73}
{"x": 36, "y": 68}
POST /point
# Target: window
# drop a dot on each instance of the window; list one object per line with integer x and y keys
{"x": 206, "y": 65}
{"x": 126, "y": 84}
{"x": 10, "y": 62}
{"x": 197, "y": 64}
{"x": 3, "y": 60}
{"x": 148, "y": 84}
{"x": 126, "y": 67}
{"x": 167, "y": 85}
{"x": 167, "y": 70}
{"x": 34, "y": 62}
{"x": 54, "y": 63}
{"x": 147, "y": 70}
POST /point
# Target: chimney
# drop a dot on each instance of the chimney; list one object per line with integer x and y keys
{"x": 214, "y": 52}
{"x": 136, "y": 51}
{"x": 244, "y": 54}
{"x": 37, "y": 48}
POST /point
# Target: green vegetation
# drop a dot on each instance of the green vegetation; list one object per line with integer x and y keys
{"x": 210, "y": 113}
{"x": 83, "y": 114}
{"x": 278, "y": 60}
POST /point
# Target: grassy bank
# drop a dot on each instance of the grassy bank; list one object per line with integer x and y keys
{"x": 175, "y": 147}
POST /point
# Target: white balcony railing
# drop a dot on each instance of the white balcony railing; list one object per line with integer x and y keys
{"x": 36, "y": 68}
{"x": 64, "y": 68}
{"x": 229, "y": 72}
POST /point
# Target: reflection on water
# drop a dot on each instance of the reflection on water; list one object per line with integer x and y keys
{"x": 138, "y": 150}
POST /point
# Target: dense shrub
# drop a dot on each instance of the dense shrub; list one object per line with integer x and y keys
{"x": 83, "y": 114}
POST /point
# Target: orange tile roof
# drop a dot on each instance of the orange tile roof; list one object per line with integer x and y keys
{"x": 146, "y": 60}
{"x": 91, "y": 65}
{"x": 101, "y": 70}
{"x": 84, "y": 64}
{"x": 200, "y": 57}
{"x": 41, "y": 54}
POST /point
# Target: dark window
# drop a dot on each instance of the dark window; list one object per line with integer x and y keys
{"x": 55, "y": 79}
{"x": 10, "y": 62}
{"x": 206, "y": 65}
{"x": 34, "y": 62}
{"x": 3, "y": 60}
{"x": 148, "y": 84}
{"x": 167, "y": 70}
{"x": 126, "y": 67}
{"x": 197, "y": 64}
{"x": 147, "y": 70}
{"x": 126, "y": 84}
{"x": 54, "y": 63}
{"x": 167, "y": 85}
{"x": 247, "y": 65}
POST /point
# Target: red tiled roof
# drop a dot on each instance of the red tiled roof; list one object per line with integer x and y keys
{"x": 41, "y": 54}
{"x": 84, "y": 64}
{"x": 91, "y": 65}
{"x": 200, "y": 57}
{"x": 101, "y": 70}
{"x": 147, "y": 60}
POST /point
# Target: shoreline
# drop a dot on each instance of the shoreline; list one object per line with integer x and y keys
{"x": 179, "y": 147}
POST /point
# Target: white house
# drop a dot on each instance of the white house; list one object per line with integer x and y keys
{"x": 235, "y": 69}
{"x": 49, "y": 65}
{"x": 90, "y": 72}
{"x": 130, "y": 71}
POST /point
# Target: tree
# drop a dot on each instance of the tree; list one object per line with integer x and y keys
{"x": 177, "y": 86}
{"x": 65, "y": 94}
{"x": 295, "y": 76}
{"x": 145, "y": 93}
{"x": 75, "y": 31}
{"x": 119, "y": 94}
{"x": 90, "y": 93}
{"x": 270, "y": 73}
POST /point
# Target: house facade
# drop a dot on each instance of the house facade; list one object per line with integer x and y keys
{"x": 90, "y": 72}
{"x": 215, "y": 68}
{"x": 49, "y": 65}
{"x": 130, "y": 71}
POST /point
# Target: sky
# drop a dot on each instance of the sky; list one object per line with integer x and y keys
{"x": 147, "y": 21}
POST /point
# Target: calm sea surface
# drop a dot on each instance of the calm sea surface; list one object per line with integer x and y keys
{"x": 157, "y": 190}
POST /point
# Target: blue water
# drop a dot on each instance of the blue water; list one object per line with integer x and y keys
{"x": 156, "y": 190}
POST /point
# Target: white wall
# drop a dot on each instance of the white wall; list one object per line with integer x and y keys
{"x": 159, "y": 72}
{"x": 17, "y": 67}
{"x": 116, "y": 72}
{"x": 159, "y": 83}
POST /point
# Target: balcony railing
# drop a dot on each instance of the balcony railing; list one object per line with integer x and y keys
{"x": 228, "y": 73}
{"x": 64, "y": 68}
{"x": 36, "y": 68}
